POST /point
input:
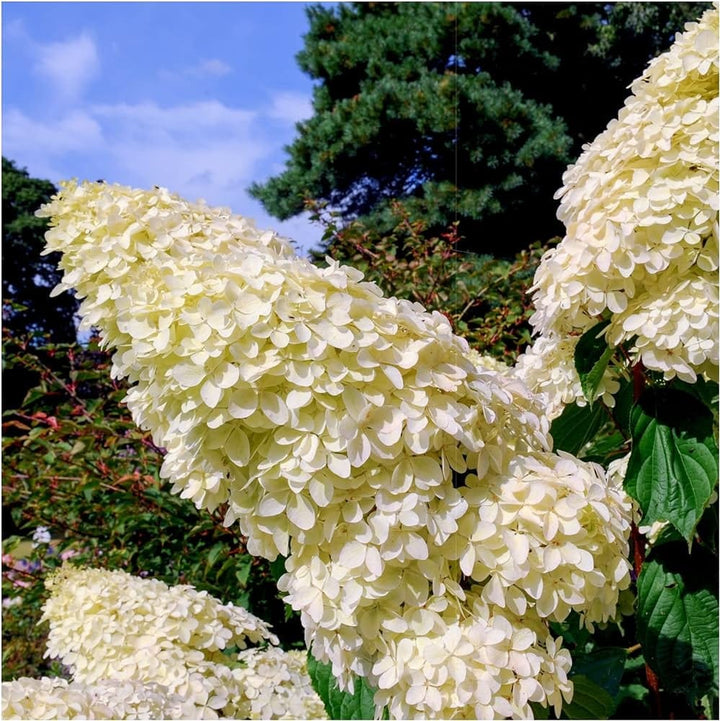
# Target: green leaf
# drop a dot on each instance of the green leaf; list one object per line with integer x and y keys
{"x": 704, "y": 391}
{"x": 603, "y": 666}
{"x": 624, "y": 401}
{"x": 541, "y": 713}
{"x": 576, "y": 426}
{"x": 604, "y": 448}
{"x": 673, "y": 468}
{"x": 340, "y": 704}
{"x": 214, "y": 554}
{"x": 590, "y": 701}
{"x": 677, "y": 617}
{"x": 243, "y": 572}
{"x": 592, "y": 355}
{"x": 34, "y": 394}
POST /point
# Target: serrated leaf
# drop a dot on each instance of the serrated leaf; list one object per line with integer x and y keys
{"x": 673, "y": 467}
{"x": 590, "y": 701}
{"x": 677, "y": 617}
{"x": 576, "y": 426}
{"x": 592, "y": 355}
{"x": 340, "y": 704}
{"x": 603, "y": 666}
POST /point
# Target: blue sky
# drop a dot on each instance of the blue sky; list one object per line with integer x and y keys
{"x": 200, "y": 97}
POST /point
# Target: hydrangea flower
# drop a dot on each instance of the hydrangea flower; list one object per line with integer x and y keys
{"x": 640, "y": 208}
{"x": 548, "y": 367}
{"x": 276, "y": 685}
{"x": 353, "y": 434}
{"x": 109, "y": 626}
{"x": 45, "y": 698}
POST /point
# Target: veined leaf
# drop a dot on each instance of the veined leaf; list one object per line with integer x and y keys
{"x": 590, "y": 701}
{"x": 340, "y": 704}
{"x": 677, "y": 617}
{"x": 592, "y": 355}
{"x": 603, "y": 666}
{"x": 673, "y": 468}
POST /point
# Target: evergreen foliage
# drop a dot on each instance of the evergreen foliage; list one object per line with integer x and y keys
{"x": 29, "y": 277}
{"x": 462, "y": 111}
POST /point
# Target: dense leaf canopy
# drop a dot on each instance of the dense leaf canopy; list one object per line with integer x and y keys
{"x": 29, "y": 277}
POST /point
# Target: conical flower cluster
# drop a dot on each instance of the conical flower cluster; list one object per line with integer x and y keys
{"x": 640, "y": 208}
{"x": 129, "y": 641}
{"x": 48, "y": 698}
{"x": 411, "y": 489}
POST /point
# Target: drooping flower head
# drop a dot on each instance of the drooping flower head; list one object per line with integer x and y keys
{"x": 353, "y": 434}
{"x": 45, "y": 698}
{"x": 165, "y": 646}
{"x": 640, "y": 208}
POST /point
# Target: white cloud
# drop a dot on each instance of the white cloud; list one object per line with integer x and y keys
{"x": 68, "y": 65}
{"x": 75, "y": 132}
{"x": 290, "y": 107}
{"x": 193, "y": 119}
{"x": 213, "y": 67}
{"x": 208, "y": 68}
{"x": 204, "y": 147}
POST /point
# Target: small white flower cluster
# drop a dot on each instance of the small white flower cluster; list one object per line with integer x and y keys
{"x": 548, "y": 367}
{"x": 111, "y": 626}
{"x": 48, "y": 698}
{"x": 640, "y": 209}
{"x": 409, "y": 484}
{"x": 276, "y": 685}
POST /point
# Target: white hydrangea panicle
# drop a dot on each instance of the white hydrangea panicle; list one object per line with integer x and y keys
{"x": 484, "y": 664}
{"x": 116, "y": 633}
{"x": 45, "y": 698}
{"x": 111, "y": 625}
{"x": 640, "y": 208}
{"x": 554, "y": 528}
{"x": 276, "y": 685}
{"x": 548, "y": 367}
{"x": 351, "y": 433}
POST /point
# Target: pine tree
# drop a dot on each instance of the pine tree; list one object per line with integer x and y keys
{"x": 463, "y": 111}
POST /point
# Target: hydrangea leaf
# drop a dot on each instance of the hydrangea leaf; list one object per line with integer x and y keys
{"x": 677, "y": 616}
{"x": 603, "y": 666}
{"x": 592, "y": 355}
{"x": 340, "y": 704}
{"x": 575, "y": 427}
{"x": 589, "y": 701}
{"x": 673, "y": 468}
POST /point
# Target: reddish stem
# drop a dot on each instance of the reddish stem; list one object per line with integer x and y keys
{"x": 638, "y": 543}
{"x": 638, "y": 372}
{"x": 654, "y": 685}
